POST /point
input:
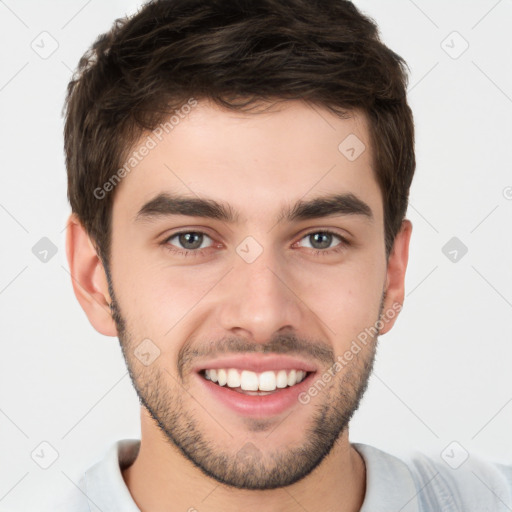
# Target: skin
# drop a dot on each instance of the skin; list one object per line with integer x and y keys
{"x": 257, "y": 164}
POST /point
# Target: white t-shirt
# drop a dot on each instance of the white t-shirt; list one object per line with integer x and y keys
{"x": 419, "y": 484}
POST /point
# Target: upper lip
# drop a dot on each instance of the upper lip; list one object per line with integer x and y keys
{"x": 258, "y": 363}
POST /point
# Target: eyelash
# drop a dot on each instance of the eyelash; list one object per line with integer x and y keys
{"x": 198, "y": 252}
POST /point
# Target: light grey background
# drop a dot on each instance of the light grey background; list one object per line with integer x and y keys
{"x": 443, "y": 373}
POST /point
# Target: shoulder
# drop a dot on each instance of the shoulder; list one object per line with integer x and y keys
{"x": 101, "y": 487}
{"x": 450, "y": 482}
{"x": 74, "y": 500}
{"x": 469, "y": 483}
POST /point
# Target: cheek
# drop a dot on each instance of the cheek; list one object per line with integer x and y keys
{"x": 346, "y": 299}
{"x": 158, "y": 299}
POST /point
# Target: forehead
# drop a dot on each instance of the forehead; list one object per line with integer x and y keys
{"x": 256, "y": 162}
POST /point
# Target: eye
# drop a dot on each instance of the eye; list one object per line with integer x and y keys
{"x": 194, "y": 243}
{"x": 190, "y": 241}
{"x": 321, "y": 241}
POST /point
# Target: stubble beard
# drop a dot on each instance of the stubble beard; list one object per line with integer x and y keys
{"x": 251, "y": 467}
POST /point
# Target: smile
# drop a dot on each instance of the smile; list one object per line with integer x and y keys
{"x": 255, "y": 385}
{"x": 246, "y": 380}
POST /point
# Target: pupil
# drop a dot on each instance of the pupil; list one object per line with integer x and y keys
{"x": 327, "y": 240}
{"x": 185, "y": 239}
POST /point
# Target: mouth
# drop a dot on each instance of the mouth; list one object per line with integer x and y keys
{"x": 253, "y": 383}
{"x": 256, "y": 385}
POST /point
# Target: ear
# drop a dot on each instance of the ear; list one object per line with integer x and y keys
{"x": 88, "y": 278}
{"x": 395, "y": 276}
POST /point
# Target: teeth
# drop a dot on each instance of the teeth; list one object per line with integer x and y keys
{"x": 267, "y": 381}
{"x": 233, "y": 378}
{"x": 252, "y": 381}
{"x": 281, "y": 379}
{"x": 222, "y": 377}
{"x": 249, "y": 381}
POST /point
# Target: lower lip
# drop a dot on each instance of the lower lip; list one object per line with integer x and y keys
{"x": 257, "y": 405}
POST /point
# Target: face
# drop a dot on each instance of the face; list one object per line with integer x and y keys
{"x": 247, "y": 257}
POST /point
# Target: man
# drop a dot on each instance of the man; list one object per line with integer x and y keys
{"x": 238, "y": 173}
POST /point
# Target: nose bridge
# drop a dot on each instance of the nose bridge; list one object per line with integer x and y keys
{"x": 256, "y": 300}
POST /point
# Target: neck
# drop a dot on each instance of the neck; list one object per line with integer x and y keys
{"x": 162, "y": 479}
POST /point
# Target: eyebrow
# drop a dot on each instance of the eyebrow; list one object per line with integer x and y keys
{"x": 165, "y": 204}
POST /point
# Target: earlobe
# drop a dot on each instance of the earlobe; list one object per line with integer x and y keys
{"x": 88, "y": 278}
{"x": 395, "y": 276}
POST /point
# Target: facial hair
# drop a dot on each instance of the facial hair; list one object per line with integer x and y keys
{"x": 251, "y": 467}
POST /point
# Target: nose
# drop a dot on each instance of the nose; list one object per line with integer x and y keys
{"x": 257, "y": 299}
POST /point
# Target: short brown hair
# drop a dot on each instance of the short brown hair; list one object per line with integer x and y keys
{"x": 322, "y": 51}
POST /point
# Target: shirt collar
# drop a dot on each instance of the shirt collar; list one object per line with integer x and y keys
{"x": 389, "y": 483}
{"x": 104, "y": 483}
